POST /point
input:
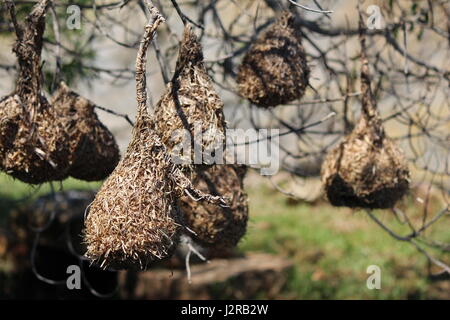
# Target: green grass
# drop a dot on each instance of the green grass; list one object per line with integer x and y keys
{"x": 332, "y": 248}
{"x": 15, "y": 190}
{"x": 14, "y": 193}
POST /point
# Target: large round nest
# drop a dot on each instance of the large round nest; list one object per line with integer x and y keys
{"x": 275, "y": 71}
{"x": 212, "y": 225}
{"x": 93, "y": 150}
{"x": 191, "y": 105}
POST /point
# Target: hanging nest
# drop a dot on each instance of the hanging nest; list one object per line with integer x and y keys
{"x": 366, "y": 169}
{"x": 33, "y": 143}
{"x": 190, "y": 103}
{"x": 134, "y": 219}
{"x": 214, "y": 226}
{"x": 274, "y": 71}
{"x": 93, "y": 150}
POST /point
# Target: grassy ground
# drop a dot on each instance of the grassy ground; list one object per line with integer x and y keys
{"x": 331, "y": 248}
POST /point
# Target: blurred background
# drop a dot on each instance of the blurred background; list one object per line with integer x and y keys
{"x": 297, "y": 246}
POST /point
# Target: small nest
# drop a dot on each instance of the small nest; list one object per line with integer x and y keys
{"x": 363, "y": 172}
{"x": 366, "y": 170}
{"x": 133, "y": 220}
{"x": 275, "y": 71}
{"x": 93, "y": 150}
{"x": 216, "y": 226}
{"x": 33, "y": 143}
{"x": 190, "y": 103}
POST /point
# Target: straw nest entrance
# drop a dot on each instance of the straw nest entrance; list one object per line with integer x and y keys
{"x": 366, "y": 169}
{"x": 212, "y": 225}
{"x": 93, "y": 150}
{"x": 33, "y": 143}
{"x": 275, "y": 71}
{"x": 190, "y": 104}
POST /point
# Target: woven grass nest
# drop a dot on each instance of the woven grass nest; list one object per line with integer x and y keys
{"x": 93, "y": 150}
{"x": 214, "y": 226}
{"x": 366, "y": 170}
{"x": 275, "y": 71}
{"x": 190, "y": 101}
{"x": 133, "y": 220}
{"x": 33, "y": 142}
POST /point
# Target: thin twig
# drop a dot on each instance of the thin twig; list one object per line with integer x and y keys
{"x": 122, "y": 115}
{"x": 150, "y": 30}
{"x": 184, "y": 18}
{"x": 310, "y": 9}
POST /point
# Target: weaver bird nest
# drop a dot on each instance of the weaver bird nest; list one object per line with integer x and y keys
{"x": 275, "y": 71}
{"x": 93, "y": 150}
{"x": 33, "y": 143}
{"x": 134, "y": 219}
{"x": 219, "y": 227}
{"x": 190, "y": 104}
{"x": 366, "y": 169}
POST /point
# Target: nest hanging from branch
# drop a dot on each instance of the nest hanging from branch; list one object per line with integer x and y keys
{"x": 215, "y": 226}
{"x": 275, "y": 71}
{"x": 366, "y": 169}
{"x": 134, "y": 219}
{"x": 93, "y": 150}
{"x": 190, "y": 104}
{"x": 33, "y": 143}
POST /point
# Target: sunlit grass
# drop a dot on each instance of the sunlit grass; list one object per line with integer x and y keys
{"x": 332, "y": 248}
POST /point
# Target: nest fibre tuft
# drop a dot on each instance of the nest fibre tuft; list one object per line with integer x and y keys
{"x": 275, "y": 71}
